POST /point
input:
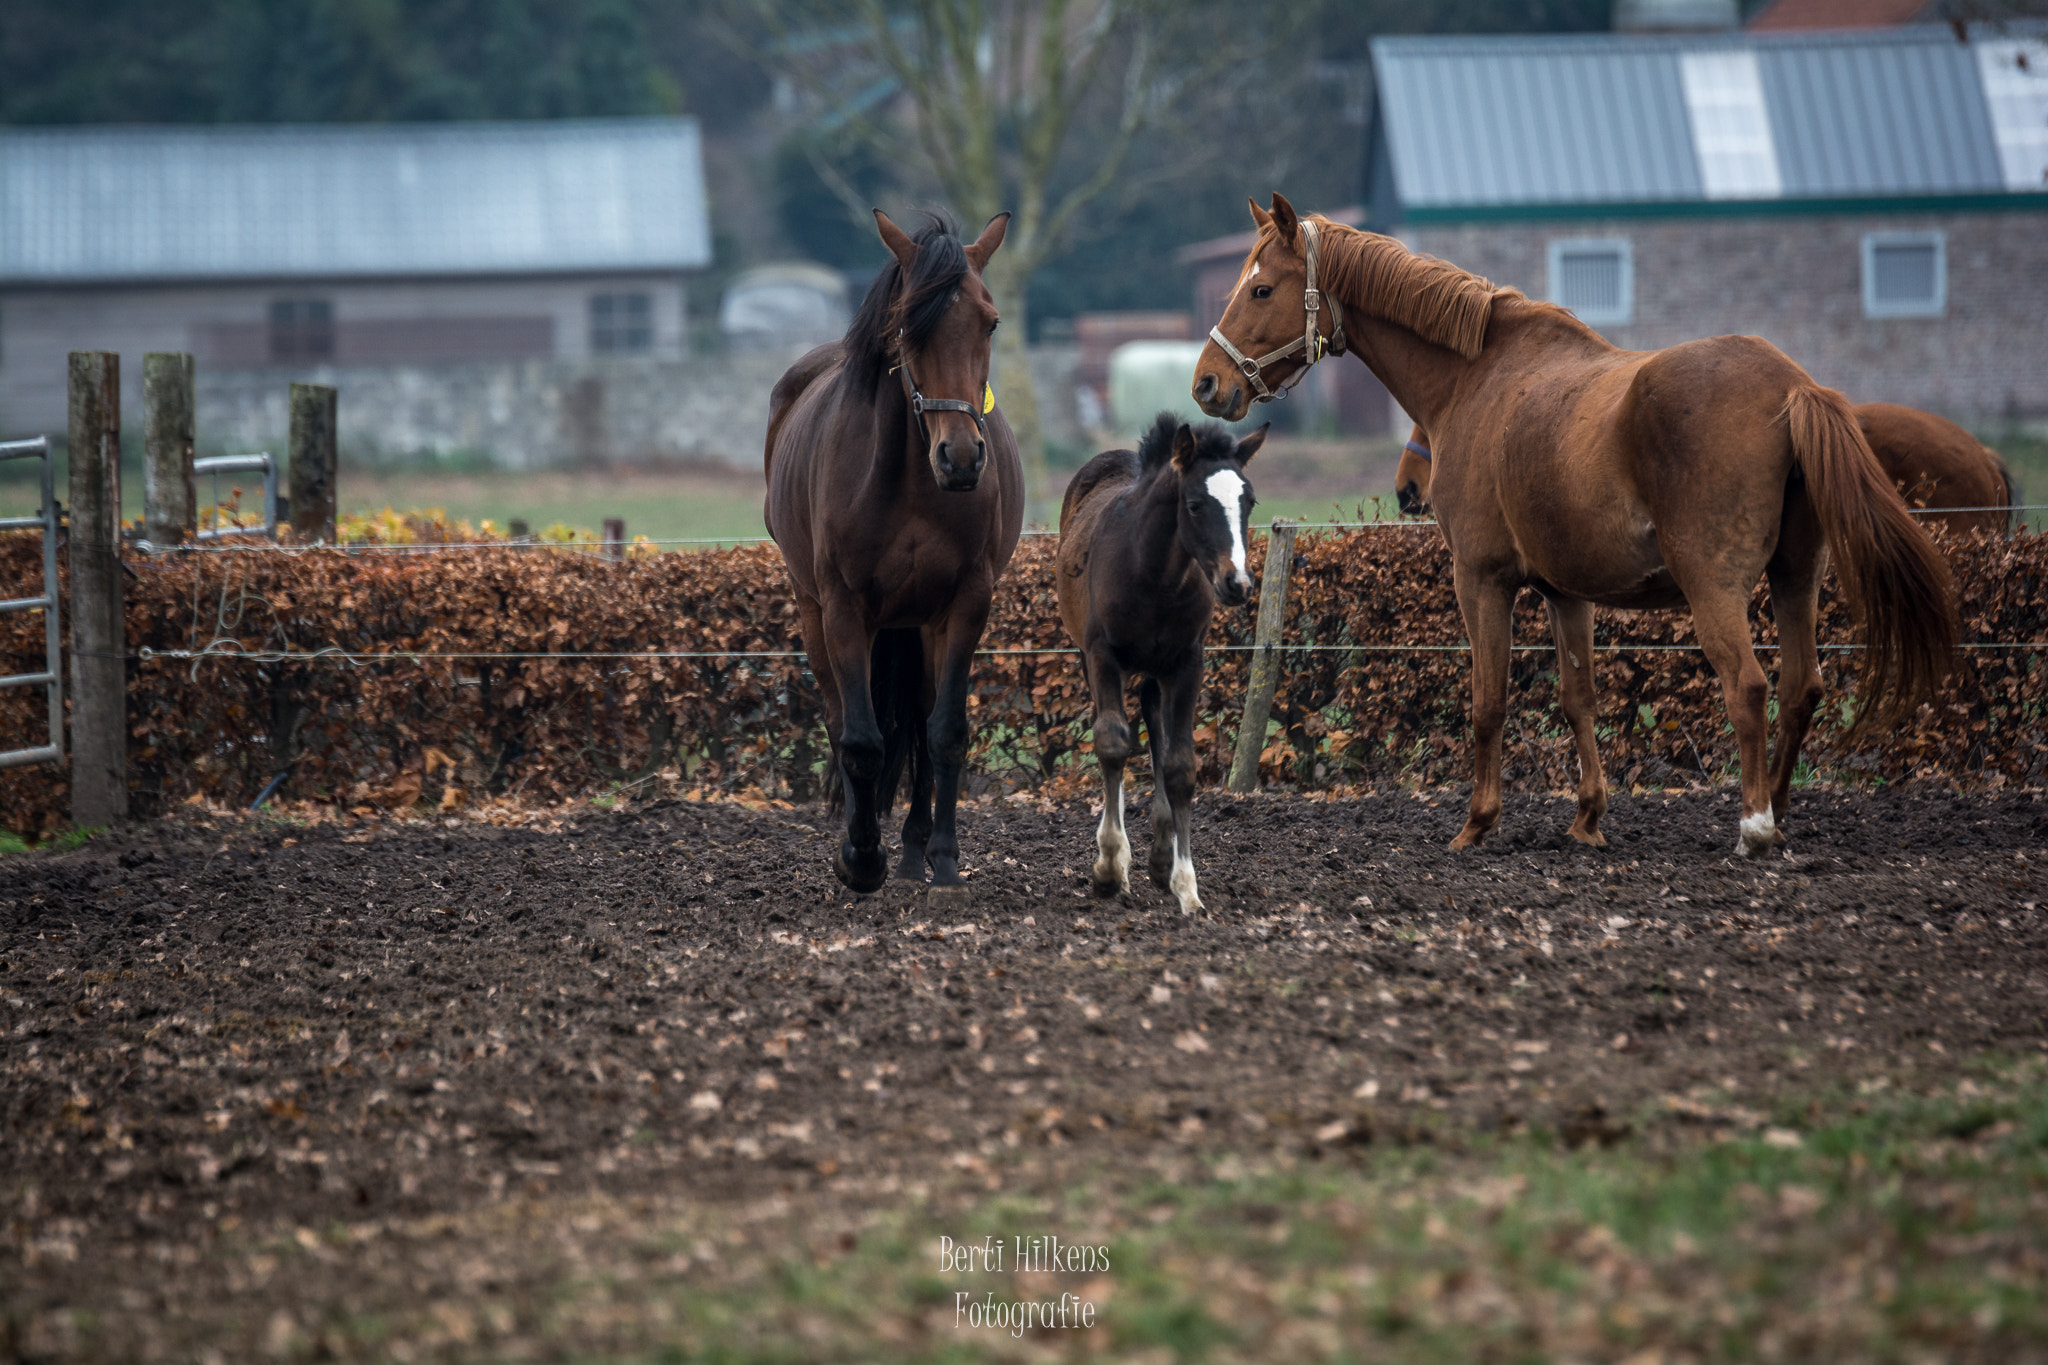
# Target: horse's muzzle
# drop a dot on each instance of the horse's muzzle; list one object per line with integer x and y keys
{"x": 1233, "y": 589}
{"x": 1229, "y": 403}
{"x": 962, "y": 477}
{"x": 1409, "y": 495}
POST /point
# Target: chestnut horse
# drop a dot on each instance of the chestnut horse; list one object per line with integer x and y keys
{"x": 1636, "y": 479}
{"x": 1937, "y": 466}
{"x": 1150, "y": 541}
{"x": 896, "y": 495}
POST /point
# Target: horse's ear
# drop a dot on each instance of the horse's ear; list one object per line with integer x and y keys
{"x": 1184, "y": 448}
{"x": 1259, "y": 215}
{"x": 1284, "y": 218}
{"x": 1249, "y": 446}
{"x": 897, "y": 240}
{"x": 991, "y": 238}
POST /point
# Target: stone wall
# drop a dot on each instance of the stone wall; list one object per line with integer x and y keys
{"x": 1796, "y": 280}
{"x": 549, "y": 414}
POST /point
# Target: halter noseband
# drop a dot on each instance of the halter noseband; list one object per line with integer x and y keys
{"x": 1420, "y": 449}
{"x": 1310, "y": 341}
{"x": 920, "y": 405}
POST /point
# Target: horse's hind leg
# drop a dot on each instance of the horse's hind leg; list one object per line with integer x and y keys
{"x": 1722, "y": 623}
{"x": 1571, "y": 626}
{"x": 917, "y": 821}
{"x": 1112, "y": 735}
{"x": 953, "y": 648}
{"x": 1488, "y": 608}
{"x": 1169, "y": 726}
{"x": 1794, "y": 573}
{"x": 861, "y": 862}
{"x": 915, "y": 699}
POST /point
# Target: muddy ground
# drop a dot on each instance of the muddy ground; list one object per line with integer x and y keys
{"x": 219, "y": 1032}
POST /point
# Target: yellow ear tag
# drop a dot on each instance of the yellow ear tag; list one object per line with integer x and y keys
{"x": 988, "y": 400}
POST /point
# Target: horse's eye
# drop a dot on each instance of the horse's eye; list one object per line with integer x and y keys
{"x": 1262, "y": 291}
{"x": 993, "y": 325}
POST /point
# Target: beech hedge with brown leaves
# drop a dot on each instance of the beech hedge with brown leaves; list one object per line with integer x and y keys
{"x": 576, "y": 675}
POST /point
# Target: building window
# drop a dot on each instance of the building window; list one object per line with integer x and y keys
{"x": 621, "y": 324}
{"x": 301, "y": 329}
{"x": 1905, "y": 274}
{"x": 1595, "y": 277}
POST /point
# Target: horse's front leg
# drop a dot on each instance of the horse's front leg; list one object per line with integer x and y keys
{"x": 952, "y": 650}
{"x": 1571, "y": 626}
{"x": 1170, "y": 726}
{"x": 1488, "y": 608}
{"x": 860, "y": 863}
{"x": 1112, "y": 736}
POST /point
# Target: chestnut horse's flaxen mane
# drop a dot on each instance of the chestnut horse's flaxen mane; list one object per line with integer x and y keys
{"x": 1433, "y": 299}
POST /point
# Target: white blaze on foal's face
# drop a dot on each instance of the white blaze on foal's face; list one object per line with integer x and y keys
{"x": 1227, "y": 487}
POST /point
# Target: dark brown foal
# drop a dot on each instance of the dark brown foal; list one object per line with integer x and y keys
{"x": 1150, "y": 541}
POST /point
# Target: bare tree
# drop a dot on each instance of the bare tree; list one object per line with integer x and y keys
{"x": 991, "y": 96}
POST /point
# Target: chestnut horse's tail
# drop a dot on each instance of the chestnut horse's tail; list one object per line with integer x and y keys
{"x": 1897, "y": 583}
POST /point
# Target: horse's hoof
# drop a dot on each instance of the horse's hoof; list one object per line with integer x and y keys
{"x": 1468, "y": 837}
{"x": 1592, "y": 838}
{"x": 911, "y": 869}
{"x": 1113, "y": 887}
{"x": 1756, "y": 835}
{"x": 864, "y": 873}
{"x": 951, "y": 896}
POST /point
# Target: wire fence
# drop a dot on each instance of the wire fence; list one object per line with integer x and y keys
{"x": 598, "y": 547}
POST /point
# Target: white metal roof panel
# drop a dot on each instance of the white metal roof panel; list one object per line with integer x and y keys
{"x": 96, "y": 203}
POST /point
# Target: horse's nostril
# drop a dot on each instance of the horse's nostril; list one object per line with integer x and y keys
{"x": 1207, "y": 388}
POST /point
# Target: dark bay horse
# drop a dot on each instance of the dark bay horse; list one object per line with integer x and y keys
{"x": 896, "y": 495}
{"x": 1637, "y": 479}
{"x": 1150, "y": 541}
{"x": 1937, "y": 466}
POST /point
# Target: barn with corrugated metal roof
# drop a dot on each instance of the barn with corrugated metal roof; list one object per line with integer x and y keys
{"x": 1873, "y": 202}
{"x": 303, "y": 248}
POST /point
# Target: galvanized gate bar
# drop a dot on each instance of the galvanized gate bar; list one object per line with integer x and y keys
{"x": 230, "y": 464}
{"x": 52, "y": 675}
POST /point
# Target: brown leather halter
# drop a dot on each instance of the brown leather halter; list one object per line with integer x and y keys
{"x": 1311, "y": 342}
{"x": 920, "y": 405}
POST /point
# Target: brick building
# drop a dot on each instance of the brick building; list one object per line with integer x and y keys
{"x": 1875, "y": 203}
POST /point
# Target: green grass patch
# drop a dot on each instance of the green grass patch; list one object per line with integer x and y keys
{"x": 64, "y": 841}
{"x": 1870, "y": 1228}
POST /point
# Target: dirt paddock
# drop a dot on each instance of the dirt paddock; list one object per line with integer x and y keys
{"x": 222, "y": 1032}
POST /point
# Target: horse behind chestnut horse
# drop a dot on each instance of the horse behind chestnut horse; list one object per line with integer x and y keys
{"x": 1636, "y": 479}
{"x": 1939, "y": 468}
{"x": 896, "y": 495}
{"x": 1150, "y": 541}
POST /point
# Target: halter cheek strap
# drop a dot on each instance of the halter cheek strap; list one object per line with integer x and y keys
{"x": 1311, "y": 342}
{"x": 1420, "y": 449}
{"x": 920, "y": 405}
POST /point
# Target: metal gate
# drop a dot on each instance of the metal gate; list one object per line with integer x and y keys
{"x": 52, "y": 675}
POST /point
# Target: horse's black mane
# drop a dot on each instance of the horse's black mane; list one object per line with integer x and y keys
{"x": 1213, "y": 441}
{"x": 941, "y": 264}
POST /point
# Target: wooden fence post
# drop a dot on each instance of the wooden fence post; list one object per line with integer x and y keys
{"x": 615, "y": 538}
{"x": 170, "y": 504}
{"x": 314, "y": 449}
{"x": 1265, "y": 670}
{"x": 99, "y": 635}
